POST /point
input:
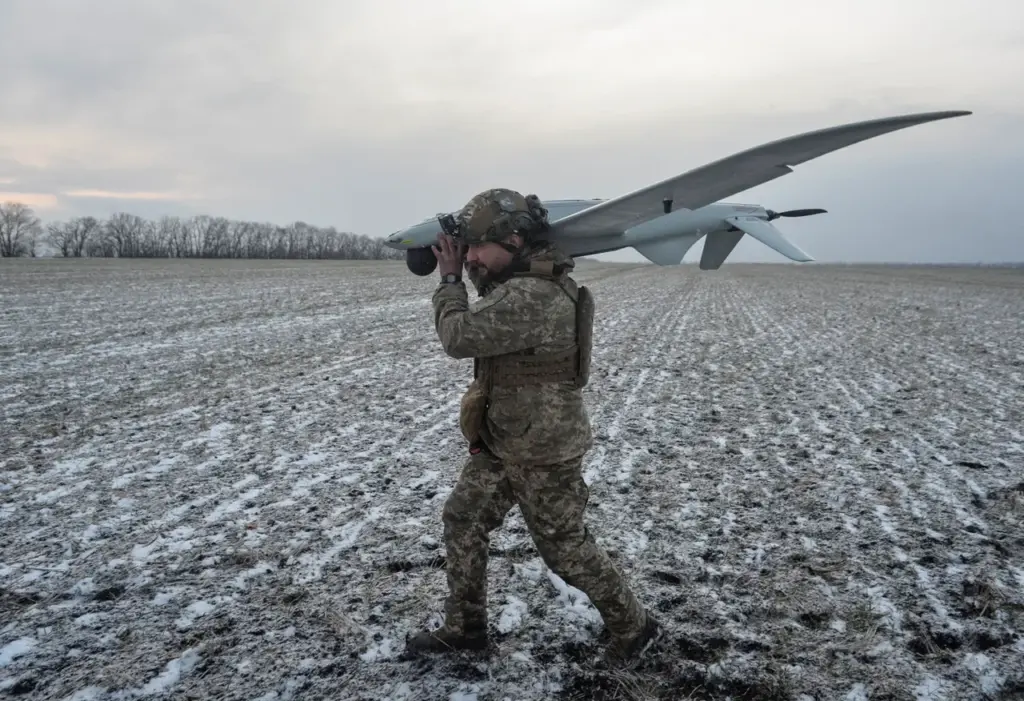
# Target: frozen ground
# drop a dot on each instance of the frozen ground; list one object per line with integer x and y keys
{"x": 224, "y": 480}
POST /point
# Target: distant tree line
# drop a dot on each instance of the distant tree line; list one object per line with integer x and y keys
{"x": 126, "y": 235}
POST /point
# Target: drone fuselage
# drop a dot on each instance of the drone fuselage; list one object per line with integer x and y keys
{"x": 664, "y": 240}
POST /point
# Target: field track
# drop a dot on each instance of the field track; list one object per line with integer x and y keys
{"x": 223, "y": 479}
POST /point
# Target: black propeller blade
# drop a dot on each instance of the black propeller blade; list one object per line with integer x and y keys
{"x": 794, "y": 213}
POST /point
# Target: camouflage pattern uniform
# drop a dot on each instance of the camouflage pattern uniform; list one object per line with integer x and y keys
{"x": 533, "y": 440}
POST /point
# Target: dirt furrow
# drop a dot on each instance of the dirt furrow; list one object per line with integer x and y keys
{"x": 232, "y": 476}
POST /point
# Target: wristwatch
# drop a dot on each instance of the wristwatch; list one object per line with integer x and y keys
{"x": 451, "y": 278}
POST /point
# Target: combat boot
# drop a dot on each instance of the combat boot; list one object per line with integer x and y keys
{"x": 628, "y": 651}
{"x": 445, "y": 639}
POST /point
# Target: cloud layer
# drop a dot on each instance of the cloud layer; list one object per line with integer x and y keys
{"x": 369, "y": 115}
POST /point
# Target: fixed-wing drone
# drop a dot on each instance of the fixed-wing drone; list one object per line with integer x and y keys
{"x": 662, "y": 221}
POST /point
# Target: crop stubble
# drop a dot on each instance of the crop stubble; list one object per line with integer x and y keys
{"x": 226, "y": 477}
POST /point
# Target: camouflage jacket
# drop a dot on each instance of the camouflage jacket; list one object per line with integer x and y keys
{"x": 537, "y": 424}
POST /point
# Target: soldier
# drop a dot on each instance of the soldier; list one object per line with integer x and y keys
{"x": 523, "y": 416}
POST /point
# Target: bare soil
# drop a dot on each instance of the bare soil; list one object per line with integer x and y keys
{"x": 223, "y": 479}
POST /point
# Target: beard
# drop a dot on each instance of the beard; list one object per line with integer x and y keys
{"x": 482, "y": 277}
{"x": 485, "y": 279}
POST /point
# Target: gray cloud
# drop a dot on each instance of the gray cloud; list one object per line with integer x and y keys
{"x": 371, "y": 114}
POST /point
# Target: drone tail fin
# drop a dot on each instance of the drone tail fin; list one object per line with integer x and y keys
{"x": 768, "y": 235}
{"x": 717, "y": 247}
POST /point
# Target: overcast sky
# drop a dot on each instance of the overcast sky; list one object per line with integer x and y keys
{"x": 369, "y": 115}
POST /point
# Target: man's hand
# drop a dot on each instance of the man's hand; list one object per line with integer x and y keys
{"x": 449, "y": 255}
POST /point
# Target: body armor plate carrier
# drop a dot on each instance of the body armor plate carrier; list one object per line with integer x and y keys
{"x": 572, "y": 364}
{"x": 528, "y": 367}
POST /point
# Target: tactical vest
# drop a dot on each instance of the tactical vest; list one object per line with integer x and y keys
{"x": 531, "y": 368}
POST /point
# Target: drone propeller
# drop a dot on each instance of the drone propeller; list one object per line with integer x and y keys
{"x": 794, "y": 213}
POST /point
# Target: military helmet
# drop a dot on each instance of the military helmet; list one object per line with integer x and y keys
{"x": 494, "y": 214}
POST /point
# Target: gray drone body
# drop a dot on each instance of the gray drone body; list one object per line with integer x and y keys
{"x": 664, "y": 220}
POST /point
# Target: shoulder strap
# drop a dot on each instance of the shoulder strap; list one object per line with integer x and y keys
{"x": 542, "y": 267}
{"x": 547, "y": 270}
{"x": 539, "y": 268}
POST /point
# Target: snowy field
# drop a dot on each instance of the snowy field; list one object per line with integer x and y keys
{"x": 224, "y": 480}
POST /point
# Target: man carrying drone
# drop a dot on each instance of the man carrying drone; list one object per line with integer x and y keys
{"x": 523, "y": 416}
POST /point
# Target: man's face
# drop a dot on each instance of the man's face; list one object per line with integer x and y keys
{"x": 485, "y": 260}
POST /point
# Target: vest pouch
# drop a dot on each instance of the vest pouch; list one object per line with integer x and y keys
{"x": 584, "y": 334}
{"x": 473, "y": 410}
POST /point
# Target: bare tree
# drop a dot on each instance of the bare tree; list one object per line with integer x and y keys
{"x": 171, "y": 233}
{"x": 126, "y": 231}
{"x": 126, "y": 235}
{"x": 85, "y": 228}
{"x": 19, "y": 228}
{"x": 70, "y": 237}
{"x": 60, "y": 236}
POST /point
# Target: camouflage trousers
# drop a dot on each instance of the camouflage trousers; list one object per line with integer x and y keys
{"x": 552, "y": 499}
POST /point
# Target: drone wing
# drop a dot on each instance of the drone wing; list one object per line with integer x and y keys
{"x": 742, "y": 171}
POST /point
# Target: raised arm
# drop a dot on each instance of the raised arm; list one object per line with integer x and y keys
{"x": 507, "y": 320}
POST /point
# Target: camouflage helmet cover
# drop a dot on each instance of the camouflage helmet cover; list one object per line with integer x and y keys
{"x": 494, "y": 214}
